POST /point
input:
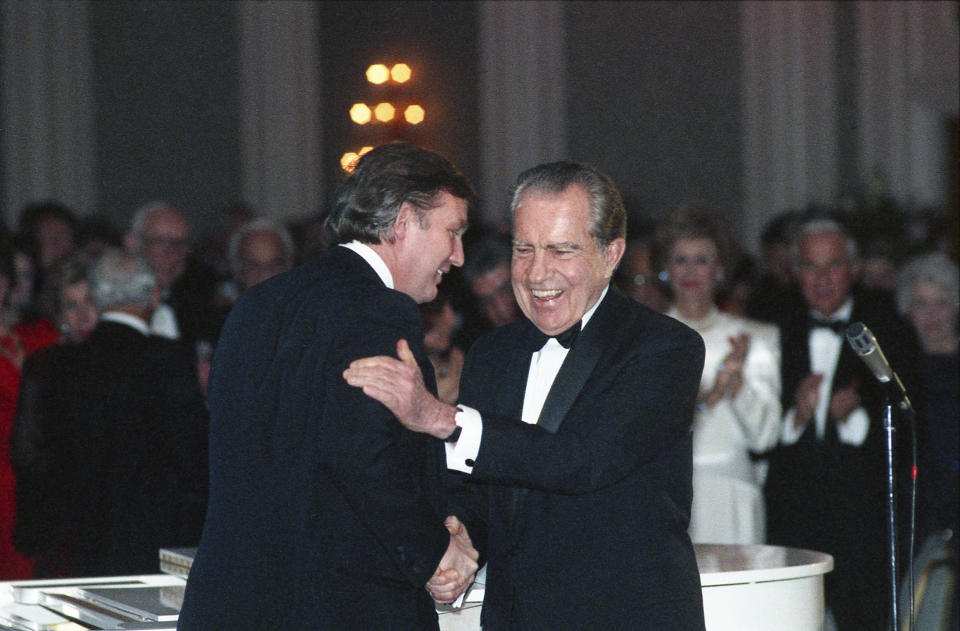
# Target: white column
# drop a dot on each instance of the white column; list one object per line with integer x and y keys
{"x": 280, "y": 107}
{"x": 46, "y": 91}
{"x": 789, "y": 103}
{"x": 908, "y": 84}
{"x": 523, "y": 103}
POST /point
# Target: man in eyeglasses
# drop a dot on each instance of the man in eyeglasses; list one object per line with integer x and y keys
{"x": 161, "y": 234}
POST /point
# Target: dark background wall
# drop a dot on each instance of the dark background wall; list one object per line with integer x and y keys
{"x": 167, "y": 106}
{"x": 167, "y": 94}
{"x": 437, "y": 40}
{"x": 653, "y": 98}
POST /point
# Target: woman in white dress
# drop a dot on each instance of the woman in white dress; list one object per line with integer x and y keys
{"x": 738, "y": 407}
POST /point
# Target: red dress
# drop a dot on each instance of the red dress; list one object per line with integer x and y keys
{"x": 14, "y": 347}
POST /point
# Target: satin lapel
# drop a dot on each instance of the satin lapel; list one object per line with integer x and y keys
{"x": 579, "y": 364}
{"x": 576, "y": 369}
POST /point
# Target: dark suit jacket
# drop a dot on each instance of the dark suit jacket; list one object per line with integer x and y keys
{"x": 136, "y": 449}
{"x": 324, "y": 512}
{"x": 192, "y": 299}
{"x": 39, "y": 450}
{"x": 587, "y": 512}
{"x": 830, "y": 496}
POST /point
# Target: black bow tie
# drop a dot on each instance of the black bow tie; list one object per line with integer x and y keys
{"x": 837, "y": 326}
{"x": 565, "y": 339}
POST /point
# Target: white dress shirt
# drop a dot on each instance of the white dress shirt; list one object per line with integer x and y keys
{"x": 544, "y": 366}
{"x": 164, "y": 322}
{"x": 373, "y": 259}
{"x": 825, "y": 346}
{"x": 128, "y": 319}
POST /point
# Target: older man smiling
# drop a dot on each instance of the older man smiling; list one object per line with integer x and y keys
{"x": 573, "y": 429}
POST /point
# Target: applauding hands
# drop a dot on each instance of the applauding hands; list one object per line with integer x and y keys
{"x": 730, "y": 377}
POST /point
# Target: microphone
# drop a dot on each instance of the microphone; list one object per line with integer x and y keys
{"x": 865, "y": 345}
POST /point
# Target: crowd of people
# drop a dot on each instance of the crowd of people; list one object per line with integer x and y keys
{"x": 107, "y": 341}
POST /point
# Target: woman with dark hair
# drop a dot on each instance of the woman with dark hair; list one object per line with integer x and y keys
{"x": 40, "y": 530}
{"x": 21, "y": 303}
{"x": 16, "y": 342}
{"x": 66, "y": 301}
{"x": 739, "y": 403}
{"x": 50, "y": 228}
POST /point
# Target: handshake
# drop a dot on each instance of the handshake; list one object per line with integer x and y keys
{"x": 457, "y": 568}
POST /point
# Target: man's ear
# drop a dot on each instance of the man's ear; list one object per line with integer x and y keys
{"x": 130, "y": 242}
{"x": 613, "y": 253}
{"x": 405, "y": 215}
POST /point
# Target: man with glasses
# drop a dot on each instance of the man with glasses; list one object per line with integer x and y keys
{"x": 161, "y": 233}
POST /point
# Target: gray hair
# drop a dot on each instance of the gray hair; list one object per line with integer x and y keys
{"x": 608, "y": 217}
{"x": 143, "y": 213}
{"x": 261, "y": 224}
{"x": 935, "y": 268}
{"x": 823, "y": 225}
{"x": 120, "y": 279}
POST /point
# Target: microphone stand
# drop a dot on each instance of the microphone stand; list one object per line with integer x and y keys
{"x": 890, "y": 432}
{"x": 865, "y": 345}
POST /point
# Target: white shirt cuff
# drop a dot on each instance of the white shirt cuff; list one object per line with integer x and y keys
{"x": 854, "y": 430}
{"x": 461, "y": 454}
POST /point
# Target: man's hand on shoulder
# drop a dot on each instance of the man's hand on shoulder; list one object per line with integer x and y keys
{"x": 398, "y": 384}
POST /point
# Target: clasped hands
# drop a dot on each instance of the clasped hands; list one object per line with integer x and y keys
{"x": 457, "y": 568}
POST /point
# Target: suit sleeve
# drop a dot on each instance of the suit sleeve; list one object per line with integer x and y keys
{"x": 391, "y": 477}
{"x": 640, "y": 401}
{"x": 189, "y": 433}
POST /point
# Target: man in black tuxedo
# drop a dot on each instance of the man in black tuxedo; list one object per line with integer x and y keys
{"x": 826, "y": 489}
{"x": 325, "y": 513}
{"x": 577, "y": 460}
{"x": 132, "y": 430}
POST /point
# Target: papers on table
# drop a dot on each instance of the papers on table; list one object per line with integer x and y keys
{"x": 144, "y": 603}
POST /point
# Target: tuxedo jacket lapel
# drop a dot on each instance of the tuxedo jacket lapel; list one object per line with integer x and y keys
{"x": 576, "y": 369}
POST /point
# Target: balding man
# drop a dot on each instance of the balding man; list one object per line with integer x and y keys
{"x": 258, "y": 250}
{"x": 161, "y": 234}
